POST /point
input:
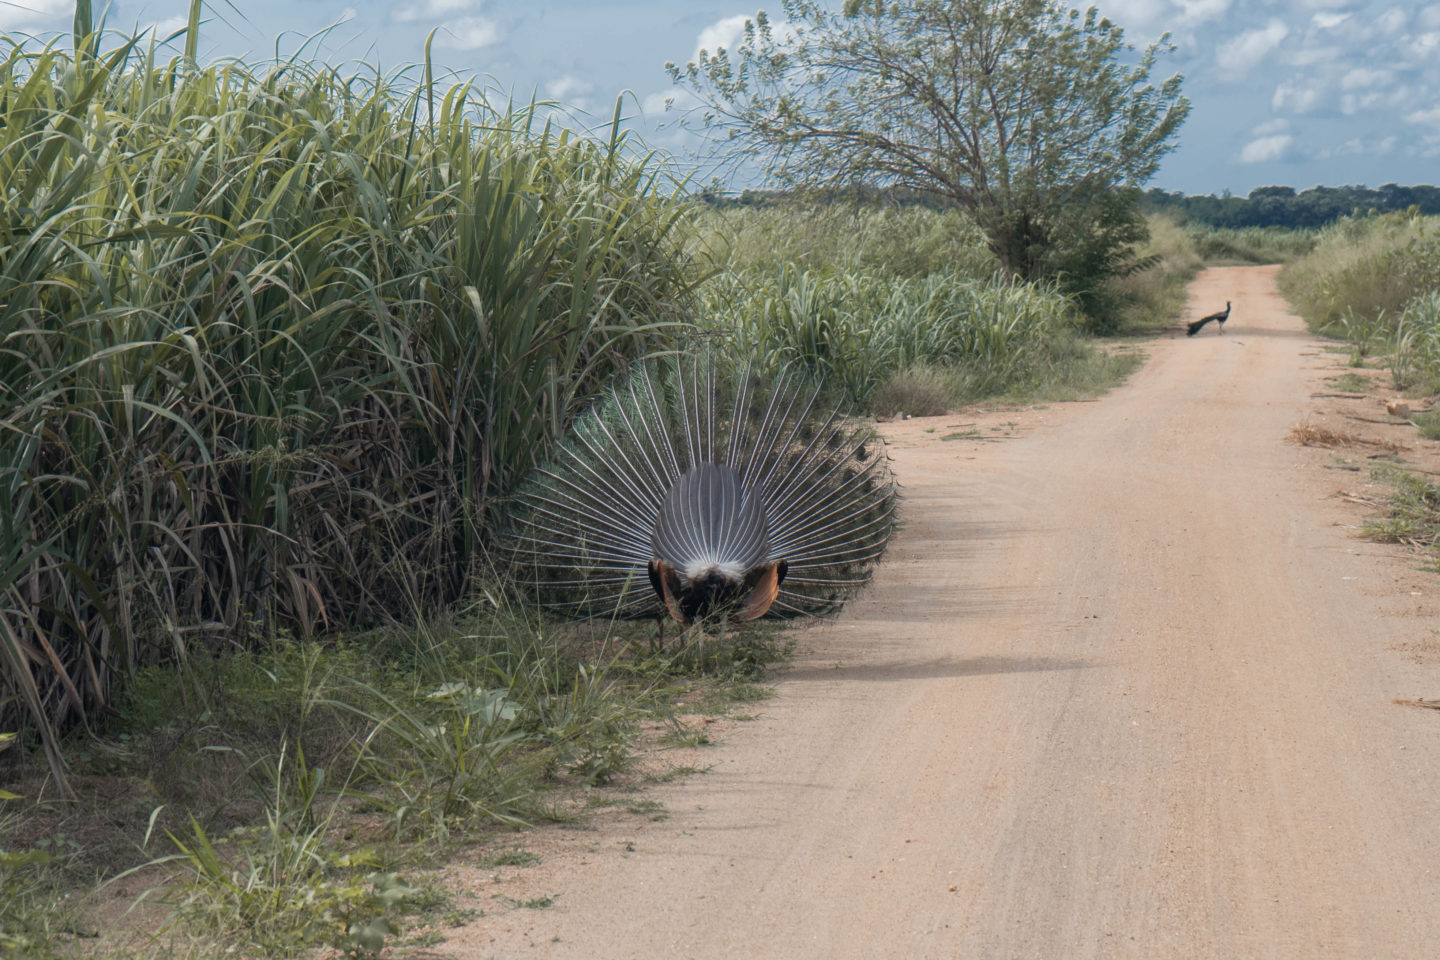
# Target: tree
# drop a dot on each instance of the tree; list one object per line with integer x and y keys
{"x": 1020, "y": 111}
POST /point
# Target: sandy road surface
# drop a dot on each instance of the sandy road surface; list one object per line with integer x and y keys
{"x": 1122, "y": 689}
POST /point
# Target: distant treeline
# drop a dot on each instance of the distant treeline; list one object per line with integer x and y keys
{"x": 1285, "y": 207}
{"x": 862, "y": 194}
{"x": 1264, "y": 207}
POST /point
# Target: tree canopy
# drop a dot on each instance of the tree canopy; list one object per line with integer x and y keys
{"x": 1283, "y": 206}
{"x": 1032, "y": 117}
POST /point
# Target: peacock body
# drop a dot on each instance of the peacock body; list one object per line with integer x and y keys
{"x": 679, "y": 492}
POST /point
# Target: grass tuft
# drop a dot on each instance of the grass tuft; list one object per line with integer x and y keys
{"x": 1310, "y": 434}
{"x": 1413, "y": 512}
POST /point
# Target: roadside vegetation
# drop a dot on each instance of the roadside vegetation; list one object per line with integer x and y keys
{"x": 272, "y": 352}
{"x": 1363, "y": 273}
{"x": 895, "y": 309}
{"x": 1374, "y": 282}
{"x": 276, "y": 343}
{"x": 1412, "y": 515}
{"x": 305, "y": 793}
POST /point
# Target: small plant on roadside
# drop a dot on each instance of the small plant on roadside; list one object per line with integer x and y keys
{"x": 291, "y": 883}
{"x": 682, "y": 734}
{"x": 1361, "y": 331}
{"x": 1429, "y": 424}
{"x": 920, "y": 391}
{"x": 33, "y": 915}
{"x": 281, "y": 891}
{"x": 1352, "y": 382}
{"x": 676, "y": 772}
{"x": 508, "y": 858}
{"x": 1415, "y": 349}
{"x": 1413, "y": 511}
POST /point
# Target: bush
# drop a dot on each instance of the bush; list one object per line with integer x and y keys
{"x": 1415, "y": 347}
{"x": 1251, "y": 244}
{"x": 855, "y": 331}
{"x": 1366, "y": 268}
{"x": 845, "y": 238}
{"x": 270, "y": 347}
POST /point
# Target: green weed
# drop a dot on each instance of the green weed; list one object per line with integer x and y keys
{"x": 35, "y": 918}
{"x": 676, "y": 772}
{"x": 1351, "y": 382}
{"x": 280, "y": 891}
{"x": 509, "y": 858}
{"x": 1413, "y": 511}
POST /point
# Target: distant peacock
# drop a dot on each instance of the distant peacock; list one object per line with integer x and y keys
{"x": 677, "y": 492}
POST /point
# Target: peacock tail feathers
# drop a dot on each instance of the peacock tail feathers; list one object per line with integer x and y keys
{"x": 705, "y": 482}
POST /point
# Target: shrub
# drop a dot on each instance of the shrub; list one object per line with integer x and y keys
{"x": 272, "y": 347}
{"x": 1366, "y": 267}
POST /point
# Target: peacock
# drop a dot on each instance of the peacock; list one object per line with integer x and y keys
{"x": 1219, "y": 316}
{"x": 687, "y": 493}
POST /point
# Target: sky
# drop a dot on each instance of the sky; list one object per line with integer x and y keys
{"x": 1293, "y": 92}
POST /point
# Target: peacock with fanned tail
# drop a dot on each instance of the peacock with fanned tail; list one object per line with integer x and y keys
{"x": 685, "y": 494}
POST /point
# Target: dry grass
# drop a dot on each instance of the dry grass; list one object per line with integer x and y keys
{"x": 1307, "y": 433}
{"x": 1420, "y": 702}
{"x": 1310, "y": 434}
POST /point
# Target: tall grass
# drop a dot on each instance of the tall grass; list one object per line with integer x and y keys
{"x": 1375, "y": 281}
{"x": 1250, "y": 244}
{"x": 856, "y": 331}
{"x": 1415, "y": 345}
{"x": 846, "y": 238}
{"x": 1363, "y": 269}
{"x": 273, "y": 340}
{"x": 863, "y": 296}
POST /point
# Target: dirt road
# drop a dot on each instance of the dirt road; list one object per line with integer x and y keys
{"x": 1122, "y": 689}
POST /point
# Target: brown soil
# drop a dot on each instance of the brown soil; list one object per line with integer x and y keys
{"x": 1125, "y": 687}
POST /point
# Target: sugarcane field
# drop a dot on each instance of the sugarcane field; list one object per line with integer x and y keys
{"x": 657, "y": 481}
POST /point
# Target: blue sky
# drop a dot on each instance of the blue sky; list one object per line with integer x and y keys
{"x": 1298, "y": 92}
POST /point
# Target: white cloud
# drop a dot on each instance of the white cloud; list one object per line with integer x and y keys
{"x": 1310, "y": 56}
{"x": 1424, "y": 47}
{"x": 567, "y": 86}
{"x": 569, "y": 93}
{"x": 1278, "y": 125}
{"x": 469, "y": 33}
{"x": 461, "y": 28}
{"x": 1355, "y": 147}
{"x": 1240, "y": 54}
{"x": 1329, "y": 21}
{"x": 1198, "y": 11}
{"x": 1430, "y": 16}
{"x": 1364, "y": 77}
{"x": 33, "y": 13}
{"x": 432, "y": 10}
{"x": 1133, "y": 14}
{"x": 1296, "y": 96}
{"x": 1425, "y": 118}
{"x": 1392, "y": 20}
{"x": 1351, "y": 104}
{"x": 167, "y": 27}
{"x": 724, "y": 33}
{"x": 1266, "y": 148}
{"x": 460, "y": 25}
